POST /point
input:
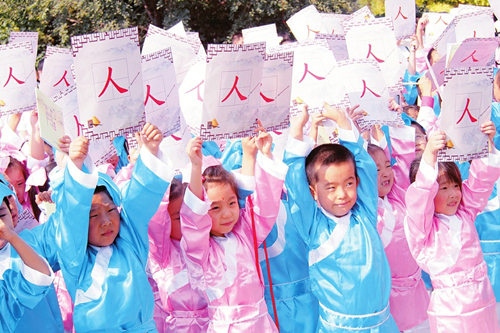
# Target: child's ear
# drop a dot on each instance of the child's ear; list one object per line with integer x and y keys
{"x": 357, "y": 181}
{"x": 313, "y": 192}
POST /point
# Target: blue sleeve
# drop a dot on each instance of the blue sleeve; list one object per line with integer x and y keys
{"x": 41, "y": 239}
{"x": 141, "y": 197}
{"x": 299, "y": 198}
{"x": 73, "y": 198}
{"x": 367, "y": 172}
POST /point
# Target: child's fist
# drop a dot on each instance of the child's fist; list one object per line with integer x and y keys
{"x": 249, "y": 147}
{"x": 151, "y": 137}
{"x": 437, "y": 141}
{"x": 193, "y": 150}
{"x": 489, "y": 129}
{"x": 78, "y": 150}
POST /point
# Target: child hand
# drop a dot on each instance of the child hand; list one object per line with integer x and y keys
{"x": 151, "y": 137}
{"x": 297, "y": 123}
{"x": 337, "y": 115}
{"x": 64, "y": 143}
{"x": 489, "y": 129}
{"x": 6, "y": 232}
{"x": 44, "y": 197}
{"x": 264, "y": 141}
{"x": 249, "y": 147}
{"x": 193, "y": 150}
{"x": 34, "y": 118}
{"x": 395, "y": 106}
{"x": 413, "y": 43}
{"x": 317, "y": 118}
{"x": 423, "y": 22}
{"x": 78, "y": 150}
{"x": 437, "y": 141}
{"x": 425, "y": 86}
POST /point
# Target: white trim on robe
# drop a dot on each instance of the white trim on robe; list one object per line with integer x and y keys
{"x": 279, "y": 244}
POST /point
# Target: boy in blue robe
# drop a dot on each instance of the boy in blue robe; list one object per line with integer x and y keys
{"x": 102, "y": 239}
{"x": 337, "y": 218}
{"x": 25, "y": 277}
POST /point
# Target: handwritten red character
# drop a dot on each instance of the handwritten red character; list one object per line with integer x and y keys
{"x": 471, "y": 56}
{"x": 466, "y": 110}
{"x": 267, "y": 99}
{"x": 400, "y": 13}
{"x": 62, "y": 79}
{"x": 309, "y": 30}
{"x": 365, "y": 88}
{"x": 197, "y": 90}
{"x": 148, "y": 95}
{"x": 306, "y": 70}
{"x": 176, "y": 138}
{"x": 78, "y": 125}
{"x": 109, "y": 79}
{"x": 441, "y": 19}
{"x": 371, "y": 53}
{"x": 242, "y": 98}
{"x": 12, "y": 76}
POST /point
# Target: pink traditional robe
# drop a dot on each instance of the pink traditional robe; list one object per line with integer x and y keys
{"x": 224, "y": 268}
{"x": 448, "y": 248}
{"x": 409, "y": 298}
{"x": 178, "y": 307}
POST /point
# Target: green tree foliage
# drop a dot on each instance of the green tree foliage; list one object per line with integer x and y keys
{"x": 378, "y": 6}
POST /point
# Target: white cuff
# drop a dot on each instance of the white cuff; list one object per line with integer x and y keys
{"x": 194, "y": 203}
{"x": 32, "y": 162}
{"x": 159, "y": 167}
{"x": 428, "y": 171}
{"x": 405, "y": 133}
{"x": 9, "y": 136}
{"x": 349, "y": 135}
{"x": 35, "y": 277}
{"x": 277, "y": 169}
{"x": 493, "y": 158}
{"x": 244, "y": 182}
{"x": 300, "y": 148}
{"x": 382, "y": 143}
{"x": 88, "y": 180}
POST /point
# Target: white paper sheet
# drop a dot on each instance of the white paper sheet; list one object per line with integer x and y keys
{"x": 161, "y": 91}
{"x": 306, "y": 23}
{"x": 466, "y": 105}
{"x": 110, "y": 88}
{"x": 56, "y": 75}
{"x": 67, "y": 100}
{"x": 402, "y": 13}
{"x": 17, "y": 78}
{"x": 50, "y": 118}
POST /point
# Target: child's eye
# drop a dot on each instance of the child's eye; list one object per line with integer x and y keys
{"x": 214, "y": 208}
{"x": 444, "y": 188}
{"x": 232, "y": 203}
{"x": 92, "y": 216}
{"x": 456, "y": 186}
{"x": 112, "y": 209}
{"x": 349, "y": 184}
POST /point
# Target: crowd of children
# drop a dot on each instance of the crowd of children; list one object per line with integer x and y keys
{"x": 329, "y": 238}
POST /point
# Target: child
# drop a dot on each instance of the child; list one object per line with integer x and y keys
{"x": 25, "y": 277}
{"x": 409, "y": 298}
{"x": 443, "y": 240}
{"x": 103, "y": 246}
{"x": 337, "y": 219}
{"x": 220, "y": 240}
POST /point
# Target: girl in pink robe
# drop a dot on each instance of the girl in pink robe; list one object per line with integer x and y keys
{"x": 443, "y": 239}
{"x": 219, "y": 242}
{"x": 409, "y": 298}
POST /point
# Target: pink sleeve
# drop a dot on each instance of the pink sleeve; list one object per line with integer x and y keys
{"x": 403, "y": 151}
{"x": 420, "y": 206}
{"x": 269, "y": 178}
{"x": 477, "y": 189}
{"x": 195, "y": 227}
{"x": 427, "y": 118}
{"x": 123, "y": 175}
{"x": 159, "y": 233}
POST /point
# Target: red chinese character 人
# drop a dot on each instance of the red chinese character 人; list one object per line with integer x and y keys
{"x": 466, "y": 110}
{"x": 12, "y": 76}
{"x": 471, "y": 56}
{"x": 365, "y": 88}
{"x": 235, "y": 88}
{"x": 371, "y": 53}
{"x": 63, "y": 78}
{"x": 400, "y": 13}
{"x": 109, "y": 79}
{"x": 309, "y": 30}
{"x": 306, "y": 70}
{"x": 197, "y": 87}
{"x": 148, "y": 95}
{"x": 441, "y": 19}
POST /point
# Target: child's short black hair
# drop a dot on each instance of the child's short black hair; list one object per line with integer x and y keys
{"x": 177, "y": 189}
{"x": 449, "y": 171}
{"x": 326, "y": 154}
{"x": 216, "y": 174}
{"x": 371, "y": 149}
{"x": 102, "y": 189}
